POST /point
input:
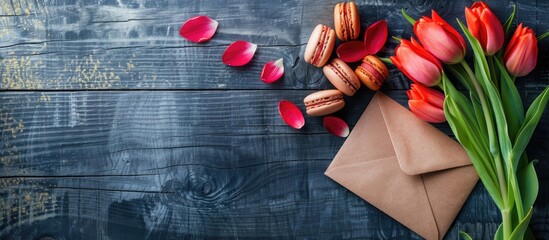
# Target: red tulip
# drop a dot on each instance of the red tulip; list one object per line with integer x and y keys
{"x": 416, "y": 63}
{"x": 440, "y": 39}
{"x": 485, "y": 26}
{"x": 521, "y": 54}
{"x": 426, "y": 103}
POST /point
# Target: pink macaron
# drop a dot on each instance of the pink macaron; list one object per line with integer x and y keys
{"x": 320, "y": 45}
{"x": 372, "y": 72}
{"x": 324, "y": 102}
{"x": 341, "y": 76}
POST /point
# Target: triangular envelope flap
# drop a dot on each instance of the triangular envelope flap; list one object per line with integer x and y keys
{"x": 420, "y": 147}
{"x": 368, "y": 140}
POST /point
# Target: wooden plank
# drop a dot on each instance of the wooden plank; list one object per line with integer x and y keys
{"x": 201, "y": 202}
{"x": 206, "y": 162}
{"x": 61, "y": 133}
{"x": 135, "y": 44}
{"x": 176, "y": 164}
{"x": 54, "y": 131}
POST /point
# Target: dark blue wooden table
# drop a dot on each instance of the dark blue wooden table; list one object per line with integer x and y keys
{"x": 115, "y": 127}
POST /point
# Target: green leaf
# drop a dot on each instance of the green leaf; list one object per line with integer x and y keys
{"x": 499, "y": 233}
{"x": 542, "y": 36}
{"x": 507, "y": 24}
{"x": 476, "y": 148}
{"x": 463, "y": 103}
{"x": 407, "y": 17}
{"x": 460, "y": 74}
{"x": 512, "y": 103}
{"x": 465, "y": 236}
{"x": 531, "y": 120}
{"x": 493, "y": 96}
{"x": 520, "y": 229}
{"x": 510, "y": 185}
{"x": 466, "y": 113}
{"x": 486, "y": 174}
{"x": 507, "y": 28}
{"x": 493, "y": 73}
{"x": 528, "y": 184}
{"x": 480, "y": 120}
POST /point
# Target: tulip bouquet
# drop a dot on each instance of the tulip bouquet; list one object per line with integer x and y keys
{"x": 489, "y": 120}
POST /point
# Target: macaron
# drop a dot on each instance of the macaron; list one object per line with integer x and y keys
{"x": 346, "y": 21}
{"x": 372, "y": 72}
{"x": 341, "y": 76}
{"x": 320, "y": 45}
{"x": 324, "y": 102}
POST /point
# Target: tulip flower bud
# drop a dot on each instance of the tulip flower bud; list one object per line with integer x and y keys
{"x": 426, "y": 103}
{"x": 521, "y": 54}
{"x": 440, "y": 39}
{"x": 417, "y": 64}
{"x": 485, "y": 26}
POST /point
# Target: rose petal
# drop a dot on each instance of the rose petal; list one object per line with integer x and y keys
{"x": 239, "y": 53}
{"x": 375, "y": 37}
{"x": 291, "y": 114}
{"x": 352, "y": 51}
{"x": 336, "y": 126}
{"x": 198, "y": 29}
{"x": 272, "y": 71}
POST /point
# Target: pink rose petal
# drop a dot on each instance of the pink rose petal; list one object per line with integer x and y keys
{"x": 272, "y": 71}
{"x": 291, "y": 114}
{"x": 336, "y": 126}
{"x": 198, "y": 29}
{"x": 375, "y": 37}
{"x": 239, "y": 53}
{"x": 352, "y": 51}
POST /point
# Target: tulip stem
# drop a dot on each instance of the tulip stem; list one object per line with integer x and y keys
{"x": 494, "y": 149}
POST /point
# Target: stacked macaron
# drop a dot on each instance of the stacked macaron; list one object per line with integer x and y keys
{"x": 371, "y": 72}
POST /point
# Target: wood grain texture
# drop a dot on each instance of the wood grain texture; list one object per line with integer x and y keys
{"x": 135, "y": 44}
{"x": 195, "y": 163}
{"x": 114, "y": 127}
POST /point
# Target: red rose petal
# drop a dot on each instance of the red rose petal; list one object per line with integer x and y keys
{"x": 272, "y": 71}
{"x": 336, "y": 126}
{"x": 375, "y": 37}
{"x": 198, "y": 29}
{"x": 239, "y": 53}
{"x": 352, "y": 51}
{"x": 291, "y": 114}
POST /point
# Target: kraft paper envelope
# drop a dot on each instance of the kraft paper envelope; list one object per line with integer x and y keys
{"x": 405, "y": 167}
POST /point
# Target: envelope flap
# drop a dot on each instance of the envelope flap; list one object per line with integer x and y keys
{"x": 420, "y": 147}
